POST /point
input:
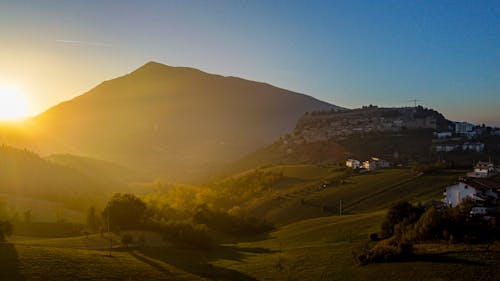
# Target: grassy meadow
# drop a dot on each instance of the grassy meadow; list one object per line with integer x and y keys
{"x": 310, "y": 241}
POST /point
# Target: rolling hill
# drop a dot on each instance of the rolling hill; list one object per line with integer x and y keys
{"x": 28, "y": 181}
{"x": 176, "y": 121}
{"x": 306, "y": 191}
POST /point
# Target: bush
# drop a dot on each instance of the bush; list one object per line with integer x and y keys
{"x": 428, "y": 227}
{"x": 387, "y": 250}
{"x": 402, "y": 213}
{"x": 127, "y": 239}
{"x": 374, "y": 237}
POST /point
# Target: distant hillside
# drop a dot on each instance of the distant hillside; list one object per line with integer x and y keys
{"x": 400, "y": 135}
{"x": 104, "y": 170}
{"x": 23, "y": 174}
{"x": 177, "y": 121}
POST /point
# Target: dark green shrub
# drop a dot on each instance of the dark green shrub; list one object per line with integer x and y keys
{"x": 374, "y": 237}
{"x": 402, "y": 213}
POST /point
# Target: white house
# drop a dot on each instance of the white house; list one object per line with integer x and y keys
{"x": 381, "y": 163}
{"x": 353, "y": 163}
{"x": 477, "y": 147}
{"x": 445, "y": 147}
{"x": 443, "y": 135}
{"x": 375, "y": 163}
{"x": 463, "y": 127}
{"x": 483, "y": 170}
{"x": 478, "y": 190}
{"x": 369, "y": 165}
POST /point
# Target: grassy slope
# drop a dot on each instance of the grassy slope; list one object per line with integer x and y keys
{"x": 317, "y": 248}
{"x": 300, "y": 195}
{"x": 104, "y": 170}
{"x": 314, "y": 249}
{"x": 321, "y": 249}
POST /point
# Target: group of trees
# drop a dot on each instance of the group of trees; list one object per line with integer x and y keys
{"x": 123, "y": 211}
{"x": 225, "y": 222}
{"x": 406, "y": 224}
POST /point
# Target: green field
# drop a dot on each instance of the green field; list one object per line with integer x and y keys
{"x": 314, "y": 249}
{"x": 301, "y": 194}
{"x": 310, "y": 242}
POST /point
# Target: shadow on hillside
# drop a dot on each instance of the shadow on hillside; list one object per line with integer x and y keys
{"x": 443, "y": 258}
{"x": 200, "y": 262}
{"x": 9, "y": 263}
{"x": 152, "y": 263}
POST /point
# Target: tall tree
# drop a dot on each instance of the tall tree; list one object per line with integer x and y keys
{"x": 125, "y": 211}
{"x": 92, "y": 220}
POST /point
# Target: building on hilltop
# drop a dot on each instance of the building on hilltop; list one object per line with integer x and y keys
{"x": 325, "y": 125}
{"x": 464, "y": 128}
{"x": 443, "y": 135}
{"x": 476, "y": 146}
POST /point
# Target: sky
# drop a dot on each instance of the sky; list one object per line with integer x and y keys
{"x": 349, "y": 53}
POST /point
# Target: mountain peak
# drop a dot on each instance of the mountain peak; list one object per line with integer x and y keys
{"x": 153, "y": 67}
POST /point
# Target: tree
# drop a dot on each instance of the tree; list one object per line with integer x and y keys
{"x": 402, "y": 213}
{"x": 125, "y": 211}
{"x": 127, "y": 239}
{"x": 92, "y": 220}
{"x": 5, "y": 229}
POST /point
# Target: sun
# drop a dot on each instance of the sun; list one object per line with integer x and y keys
{"x": 13, "y": 106}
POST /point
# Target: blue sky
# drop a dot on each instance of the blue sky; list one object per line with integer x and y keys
{"x": 350, "y": 53}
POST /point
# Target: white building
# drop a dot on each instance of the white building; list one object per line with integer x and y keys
{"x": 463, "y": 128}
{"x": 375, "y": 163}
{"x": 443, "y": 135}
{"x": 445, "y": 147}
{"x": 353, "y": 163}
{"x": 483, "y": 170}
{"x": 477, "y": 147}
{"x": 369, "y": 165}
{"x": 477, "y": 190}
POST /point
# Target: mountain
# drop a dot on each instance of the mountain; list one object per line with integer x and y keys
{"x": 178, "y": 122}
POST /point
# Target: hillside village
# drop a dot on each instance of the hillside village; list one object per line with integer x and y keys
{"x": 462, "y": 136}
{"x": 323, "y": 125}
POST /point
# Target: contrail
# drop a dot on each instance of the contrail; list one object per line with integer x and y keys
{"x": 84, "y": 43}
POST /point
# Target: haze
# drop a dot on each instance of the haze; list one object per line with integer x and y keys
{"x": 348, "y": 53}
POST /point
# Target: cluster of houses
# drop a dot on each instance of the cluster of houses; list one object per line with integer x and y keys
{"x": 459, "y": 146}
{"x": 477, "y": 187}
{"x": 460, "y": 137}
{"x": 369, "y": 165}
{"x": 324, "y": 125}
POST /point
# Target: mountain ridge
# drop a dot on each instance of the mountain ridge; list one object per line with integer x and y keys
{"x": 163, "y": 118}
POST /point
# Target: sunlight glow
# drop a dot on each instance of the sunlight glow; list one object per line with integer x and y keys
{"x": 13, "y": 106}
